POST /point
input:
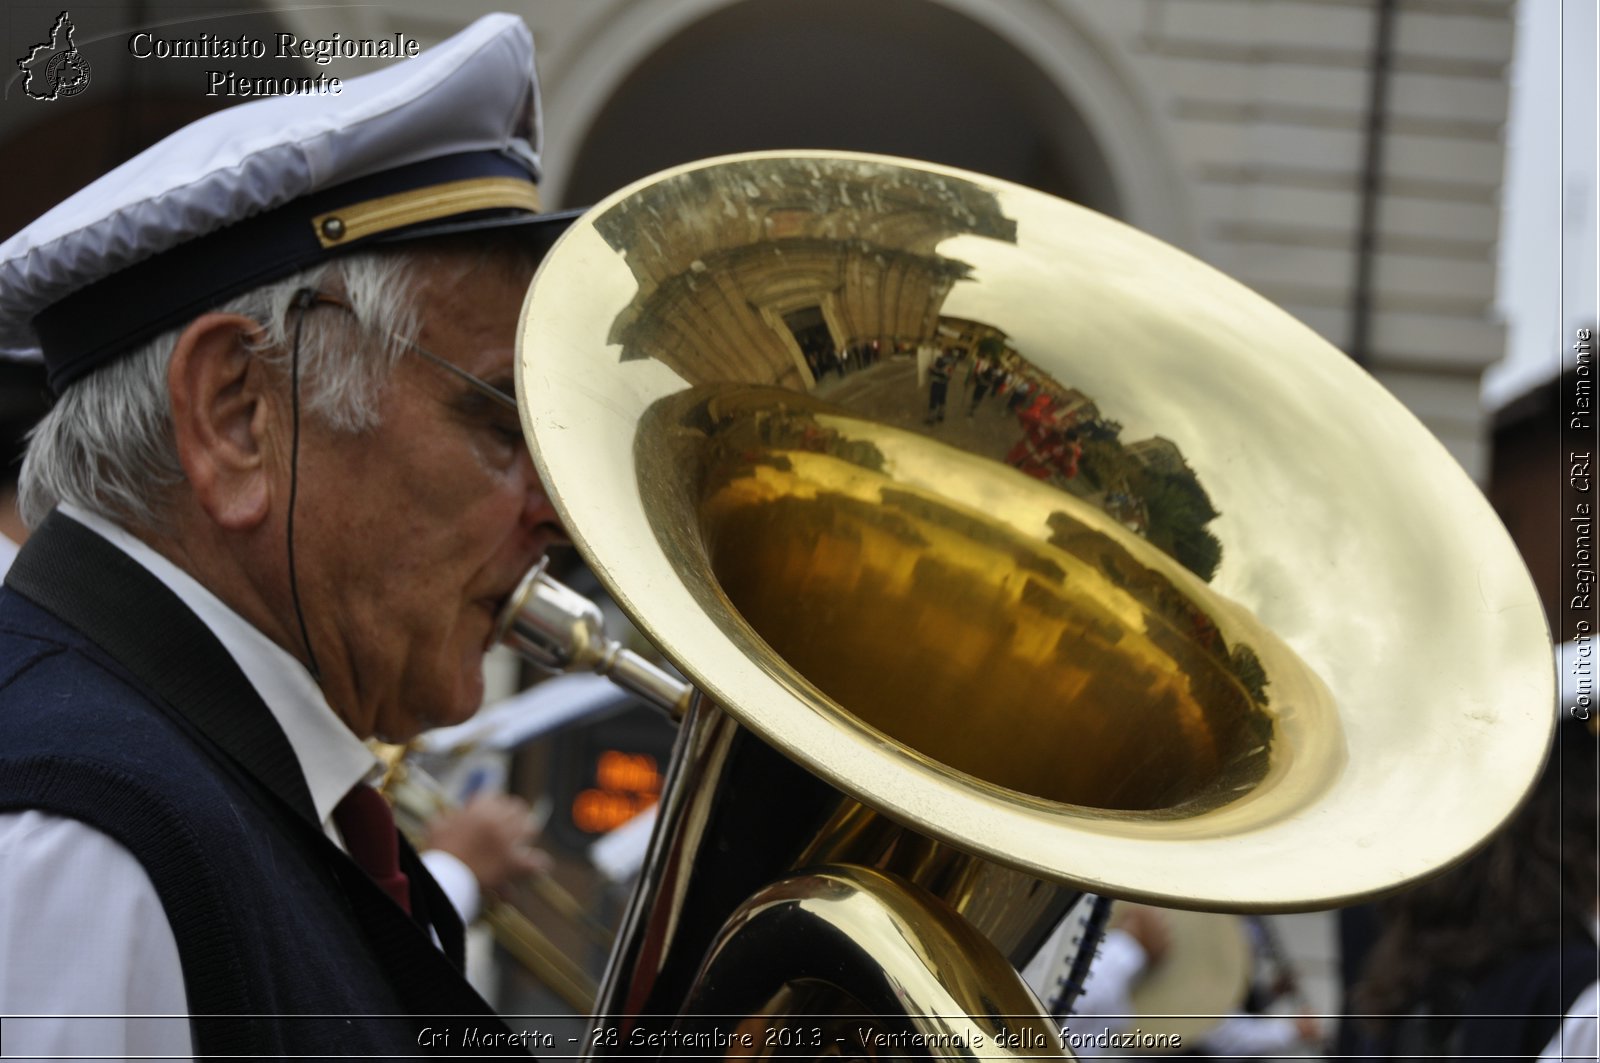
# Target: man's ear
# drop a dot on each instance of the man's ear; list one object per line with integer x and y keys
{"x": 220, "y": 405}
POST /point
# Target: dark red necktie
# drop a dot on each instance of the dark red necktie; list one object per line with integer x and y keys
{"x": 363, "y": 817}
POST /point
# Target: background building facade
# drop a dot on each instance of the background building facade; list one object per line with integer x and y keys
{"x": 1343, "y": 157}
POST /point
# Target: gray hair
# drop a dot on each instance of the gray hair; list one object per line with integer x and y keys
{"x": 107, "y": 446}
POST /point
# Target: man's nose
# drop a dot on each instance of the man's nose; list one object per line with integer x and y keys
{"x": 538, "y": 512}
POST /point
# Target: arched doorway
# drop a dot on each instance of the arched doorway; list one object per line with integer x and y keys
{"x": 901, "y": 77}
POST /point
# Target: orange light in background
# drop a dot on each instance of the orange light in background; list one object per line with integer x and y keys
{"x": 599, "y": 811}
{"x": 627, "y": 772}
{"x": 625, "y": 785}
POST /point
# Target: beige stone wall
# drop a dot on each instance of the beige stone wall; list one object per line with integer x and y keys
{"x": 1266, "y": 103}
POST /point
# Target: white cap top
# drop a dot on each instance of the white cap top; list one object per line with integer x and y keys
{"x": 475, "y": 93}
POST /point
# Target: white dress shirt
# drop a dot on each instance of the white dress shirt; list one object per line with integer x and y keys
{"x": 92, "y": 938}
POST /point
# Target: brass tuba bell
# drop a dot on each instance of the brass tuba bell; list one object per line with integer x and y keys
{"x": 1014, "y": 554}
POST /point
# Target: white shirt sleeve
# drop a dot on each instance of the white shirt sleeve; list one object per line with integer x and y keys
{"x": 1579, "y": 1036}
{"x": 83, "y": 933}
{"x": 1106, "y": 1005}
{"x": 1108, "y": 991}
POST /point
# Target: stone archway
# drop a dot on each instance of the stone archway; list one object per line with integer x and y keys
{"x": 907, "y": 77}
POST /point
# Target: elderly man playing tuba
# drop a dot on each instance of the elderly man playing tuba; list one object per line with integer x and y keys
{"x": 277, "y": 505}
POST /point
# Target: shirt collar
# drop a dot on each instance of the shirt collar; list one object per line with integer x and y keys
{"x": 331, "y": 757}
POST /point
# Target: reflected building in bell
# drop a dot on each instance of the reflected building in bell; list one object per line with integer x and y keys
{"x": 804, "y": 269}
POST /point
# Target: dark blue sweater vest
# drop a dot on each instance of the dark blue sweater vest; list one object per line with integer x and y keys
{"x": 287, "y": 947}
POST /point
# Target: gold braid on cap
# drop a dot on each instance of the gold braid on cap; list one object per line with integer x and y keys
{"x": 374, "y": 216}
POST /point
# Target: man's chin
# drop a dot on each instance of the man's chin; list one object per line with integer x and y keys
{"x": 399, "y": 732}
{"x": 468, "y": 701}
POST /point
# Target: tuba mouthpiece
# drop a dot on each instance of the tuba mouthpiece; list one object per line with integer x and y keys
{"x": 559, "y": 630}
